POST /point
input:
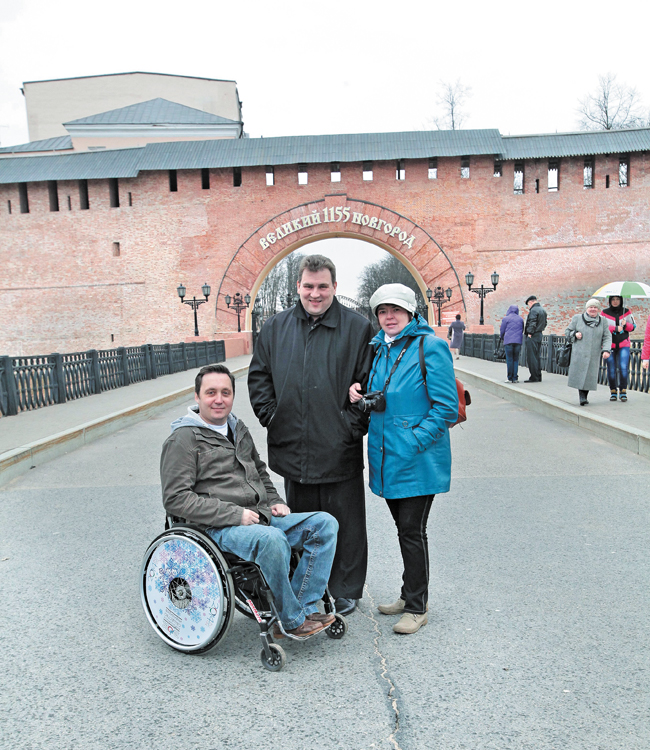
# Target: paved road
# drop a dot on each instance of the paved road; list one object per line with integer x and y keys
{"x": 537, "y": 637}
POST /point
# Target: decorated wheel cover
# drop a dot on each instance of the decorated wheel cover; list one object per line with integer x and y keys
{"x": 184, "y": 593}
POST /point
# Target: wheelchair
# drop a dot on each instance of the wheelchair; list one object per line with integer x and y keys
{"x": 190, "y": 590}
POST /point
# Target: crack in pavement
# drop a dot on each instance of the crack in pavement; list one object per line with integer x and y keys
{"x": 383, "y": 668}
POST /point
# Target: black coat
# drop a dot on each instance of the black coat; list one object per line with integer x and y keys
{"x": 298, "y": 382}
{"x": 536, "y": 320}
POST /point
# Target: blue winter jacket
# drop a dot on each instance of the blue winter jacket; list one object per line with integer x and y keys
{"x": 408, "y": 444}
{"x": 512, "y": 326}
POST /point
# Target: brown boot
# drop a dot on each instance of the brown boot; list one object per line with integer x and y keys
{"x": 305, "y": 629}
{"x": 326, "y": 619}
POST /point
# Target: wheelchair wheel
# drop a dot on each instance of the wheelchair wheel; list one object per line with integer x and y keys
{"x": 186, "y": 592}
{"x": 338, "y": 628}
{"x": 278, "y": 658}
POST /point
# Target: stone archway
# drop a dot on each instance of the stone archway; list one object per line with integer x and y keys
{"x": 335, "y": 216}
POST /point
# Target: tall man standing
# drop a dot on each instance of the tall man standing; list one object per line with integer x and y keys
{"x": 535, "y": 324}
{"x": 305, "y": 360}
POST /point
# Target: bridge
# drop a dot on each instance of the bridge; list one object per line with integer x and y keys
{"x": 539, "y": 570}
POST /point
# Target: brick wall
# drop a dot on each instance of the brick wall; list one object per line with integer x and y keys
{"x": 63, "y": 289}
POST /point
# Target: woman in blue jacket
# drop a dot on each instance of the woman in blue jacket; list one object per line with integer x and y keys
{"x": 512, "y": 334}
{"x": 408, "y": 440}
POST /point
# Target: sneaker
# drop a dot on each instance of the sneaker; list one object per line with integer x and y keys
{"x": 410, "y": 623}
{"x": 396, "y": 608}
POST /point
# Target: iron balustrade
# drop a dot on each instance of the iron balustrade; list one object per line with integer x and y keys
{"x": 484, "y": 346}
{"x": 28, "y": 383}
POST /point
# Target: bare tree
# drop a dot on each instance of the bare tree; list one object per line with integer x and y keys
{"x": 279, "y": 286}
{"x": 452, "y": 98}
{"x": 389, "y": 270}
{"x": 611, "y": 106}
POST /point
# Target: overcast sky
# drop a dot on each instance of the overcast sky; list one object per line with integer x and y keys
{"x": 338, "y": 67}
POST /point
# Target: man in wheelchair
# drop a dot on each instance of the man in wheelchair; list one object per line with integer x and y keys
{"x": 213, "y": 477}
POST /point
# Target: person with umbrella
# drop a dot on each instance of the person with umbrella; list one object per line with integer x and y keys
{"x": 621, "y": 324}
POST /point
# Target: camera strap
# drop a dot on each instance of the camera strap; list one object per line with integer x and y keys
{"x": 408, "y": 343}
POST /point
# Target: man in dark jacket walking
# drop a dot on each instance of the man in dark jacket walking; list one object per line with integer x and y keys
{"x": 535, "y": 324}
{"x": 305, "y": 360}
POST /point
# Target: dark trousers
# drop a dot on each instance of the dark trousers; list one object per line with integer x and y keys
{"x": 346, "y": 501}
{"x": 411, "y": 515}
{"x": 512, "y": 360}
{"x": 533, "y": 346}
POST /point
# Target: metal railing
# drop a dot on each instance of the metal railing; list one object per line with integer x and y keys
{"x": 32, "y": 382}
{"x": 485, "y": 345}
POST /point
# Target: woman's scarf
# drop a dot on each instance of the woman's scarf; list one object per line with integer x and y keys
{"x": 591, "y": 322}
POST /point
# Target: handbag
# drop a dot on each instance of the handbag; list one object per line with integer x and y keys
{"x": 464, "y": 399}
{"x": 563, "y": 354}
{"x": 500, "y": 352}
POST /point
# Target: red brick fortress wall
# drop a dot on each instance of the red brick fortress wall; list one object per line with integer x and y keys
{"x": 64, "y": 288}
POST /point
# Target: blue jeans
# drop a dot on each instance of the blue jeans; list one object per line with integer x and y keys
{"x": 270, "y": 548}
{"x": 618, "y": 358}
{"x": 512, "y": 360}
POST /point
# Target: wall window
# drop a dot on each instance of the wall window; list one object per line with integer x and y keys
{"x": 400, "y": 172}
{"x": 519, "y": 178}
{"x": 624, "y": 171}
{"x": 606, "y": 181}
{"x": 498, "y": 169}
{"x": 22, "y": 195}
{"x": 303, "y": 177}
{"x": 553, "y": 176}
{"x": 588, "y": 173}
{"x": 53, "y": 193}
{"x": 173, "y": 181}
{"x": 205, "y": 179}
{"x": 537, "y": 185}
{"x": 116, "y": 249}
{"x": 433, "y": 168}
{"x": 464, "y": 167}
{"x": 130, "y": 196}
{"x": 84, "y": 205}
{"x": 69, "y": 203}
{"x": 8, "y": 206}
{"x": 236, "y": 176}
{"x": 114, "y": 192}
{"x": 270, "y": 176}
{"x": 335, "y": 172}
{"x": 367, "y": 171}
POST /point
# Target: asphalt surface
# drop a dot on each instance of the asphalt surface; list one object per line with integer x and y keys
{"x": 537, "y": 636}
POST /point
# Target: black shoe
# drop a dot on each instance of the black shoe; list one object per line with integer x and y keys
{"x": 345, "y": 606}
{"x": 530, "y": 380}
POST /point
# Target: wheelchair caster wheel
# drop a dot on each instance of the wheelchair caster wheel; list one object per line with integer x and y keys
{"x": 278, "y": 658}
{"x": 338, "y": 628}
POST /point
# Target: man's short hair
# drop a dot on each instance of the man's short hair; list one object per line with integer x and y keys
{"x": 457, "y": 316}
{"x": 316, "y": 263}
{"x": 219, "y": 369}
{"x": 532, "y": 296}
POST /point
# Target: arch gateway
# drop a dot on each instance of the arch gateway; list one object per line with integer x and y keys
{"x": 94, "y": 244}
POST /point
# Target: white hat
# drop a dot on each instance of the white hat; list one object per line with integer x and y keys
{"x": 593, "y": 302}
{"x": 394, "y": 294}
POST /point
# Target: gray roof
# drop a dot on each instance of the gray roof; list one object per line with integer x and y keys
{"x": 246, "y": 152}
{"x": 319, "y": 149}
{"x": 60, "y": 143}
{"x": 90, "y": 165}
{"x": 586, "y": 143}
{"x": 153, "y": 112}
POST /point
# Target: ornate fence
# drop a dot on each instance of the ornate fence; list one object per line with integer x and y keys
{"x": 484, "y": 346}
{"x": 31, "y": 382}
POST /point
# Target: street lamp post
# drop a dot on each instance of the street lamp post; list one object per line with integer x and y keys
{"x": 482, "y": 291}
{"x": 256, "y": 314}
{"x": 194, "y": 302}
{"x": 438, "y": 298}
{"x": 239, "y": 303}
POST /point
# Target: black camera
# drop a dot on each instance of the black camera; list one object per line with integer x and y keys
{"x": 373, "y": 401}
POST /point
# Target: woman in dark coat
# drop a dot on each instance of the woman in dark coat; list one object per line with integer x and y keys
{"x": 456, "y": 333}
{"x": 512, "y": 333}
{"x": 591, "y": 338}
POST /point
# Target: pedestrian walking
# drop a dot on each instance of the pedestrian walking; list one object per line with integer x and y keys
{"x": 645, "y": 352}
{"x": 412, "y": 401}
{"x": 512, "y": 334}
{"x": 535, "y": 324}
{"x": 304, "y": 362}
{"x": 621, "y": 324}
{"x": 590, "y": 335}
{"x": 455, "y": 334}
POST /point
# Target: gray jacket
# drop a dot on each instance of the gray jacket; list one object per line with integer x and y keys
{"x": 207, "y": 480}
{"x": 586, "y": 352}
